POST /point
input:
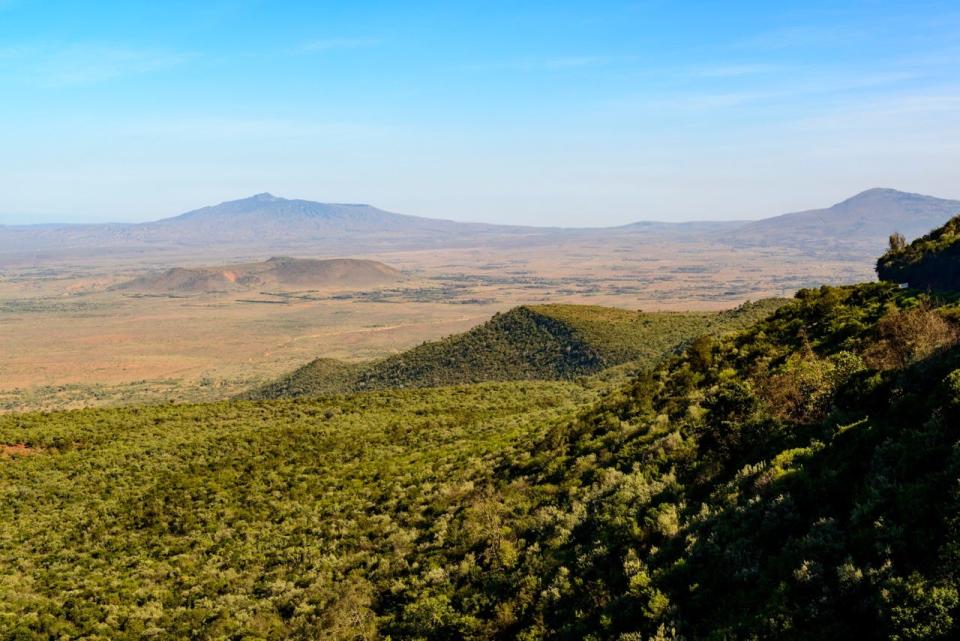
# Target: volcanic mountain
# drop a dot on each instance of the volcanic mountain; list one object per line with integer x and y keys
{"x": 263, "y": 222}
{"x": 858, "y": 225}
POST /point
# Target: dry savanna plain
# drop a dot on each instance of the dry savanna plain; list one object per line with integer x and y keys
{"x": 71, "y": 337}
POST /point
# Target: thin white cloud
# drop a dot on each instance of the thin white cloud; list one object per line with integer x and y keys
{"x": 802, "y": 36}
{"x": 733, "y": 70}
{"x": 225, "y": 128}
{"x": 84, "y": 64}
{"x": 547, "y": 63}
{"x": 329, "y": 44}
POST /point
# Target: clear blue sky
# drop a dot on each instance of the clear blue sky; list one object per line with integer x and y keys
{"x": 571, "y": 113}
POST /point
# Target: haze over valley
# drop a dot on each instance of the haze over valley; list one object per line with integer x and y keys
{"x": 156, "y": 309}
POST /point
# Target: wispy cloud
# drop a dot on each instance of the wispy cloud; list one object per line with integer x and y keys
{"x": 802, "y": 36}
{"x": 82, "y": 64}
{"x": 795, "y": 88}
{"x": 546, "y": 63}
{"x": 733, "y": 70}
{"x": 329, "y": 44}
{"x": 222, "y": 128}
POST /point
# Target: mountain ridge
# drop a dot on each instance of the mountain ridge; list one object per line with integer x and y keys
{"x": 856, "y": 226}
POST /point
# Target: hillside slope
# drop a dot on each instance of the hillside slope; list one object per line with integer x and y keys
{"x": 276, "y": 273}
{"x": 795, "y": 480}
{"x": 930, "y": 262}
{"x": 537, "y": 342}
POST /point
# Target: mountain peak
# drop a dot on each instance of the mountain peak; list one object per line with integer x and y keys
{"x": 873, "y": 193}
{"x": 264, "y": 197}
{"x": 882, "y": 193}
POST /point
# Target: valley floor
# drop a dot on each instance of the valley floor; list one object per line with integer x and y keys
{"x": 69, "y": 342}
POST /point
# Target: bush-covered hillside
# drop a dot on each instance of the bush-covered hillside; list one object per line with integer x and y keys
{"x": 796, "y": 480}
{"x": 930, "y": 262}
{"x": 799, "y": 480}
{"x": 542, "y": 342}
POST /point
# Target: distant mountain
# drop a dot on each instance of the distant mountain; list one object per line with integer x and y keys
{"x": 264, "y": 223}
{"x": 266, "y": 216}
{"x": 279, "y": 273}
{"x": 859, "y": 225}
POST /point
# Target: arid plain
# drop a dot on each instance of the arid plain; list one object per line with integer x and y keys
{"x": 69, "y": 338}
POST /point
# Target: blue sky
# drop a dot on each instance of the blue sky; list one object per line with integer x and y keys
{"x": 560, "y": 113}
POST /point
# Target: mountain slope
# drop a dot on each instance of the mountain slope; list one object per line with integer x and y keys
{"x": 859, "y": 225}
{"x": 794, "y": 481}
{"x": 537, "y": 342}
{"x": 278, "y": 273}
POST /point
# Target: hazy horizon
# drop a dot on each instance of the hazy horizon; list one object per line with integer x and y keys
{"x": 545, "y": 114}
{"x": 53, "y": 219}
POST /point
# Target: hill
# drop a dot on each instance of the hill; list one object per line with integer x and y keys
{"x": 797, "y": 480}
{"x": 930, "y": 262}
{"x": 535, "y": 342}
{"x": 794, "y": 480}
{"x": 277, "y": 273}
{"x": 857, "y": 226}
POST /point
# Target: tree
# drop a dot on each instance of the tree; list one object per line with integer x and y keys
{"x": 897, "y": 242}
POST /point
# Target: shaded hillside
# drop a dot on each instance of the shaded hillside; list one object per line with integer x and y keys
{"x": 858, "y": 226}
{"x": 930, "y": 262}
{"x": 539, "y": 342}
{"x": 282, "y": 273}
{"x": 797, "y": 480}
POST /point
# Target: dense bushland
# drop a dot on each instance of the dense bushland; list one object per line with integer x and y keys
{"x": 241, "y": 520}
{"x": 782, "y": 483}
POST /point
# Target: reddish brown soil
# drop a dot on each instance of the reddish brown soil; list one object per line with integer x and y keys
{"x": 16, "y": 450}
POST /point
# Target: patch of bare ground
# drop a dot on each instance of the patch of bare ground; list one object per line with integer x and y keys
{"x": 16, "y": 450}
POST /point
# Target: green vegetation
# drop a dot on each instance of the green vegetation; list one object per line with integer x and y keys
{"x": 241, "y": 520}
{"x": 930, "y": 262}
{"x": 796, "y": 479}
{"x": 148, "y": 391}
{"x": 541, "y": 342}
